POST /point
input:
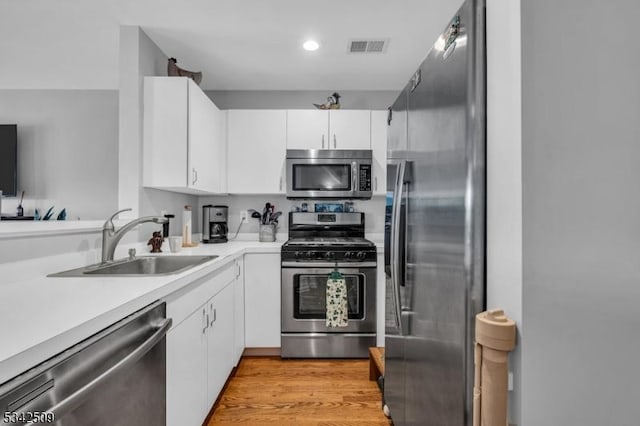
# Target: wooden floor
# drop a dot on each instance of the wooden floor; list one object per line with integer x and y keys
{"x": 271, "y": 391}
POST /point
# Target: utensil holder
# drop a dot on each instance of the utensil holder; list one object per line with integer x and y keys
{"x": 267, "y": 233}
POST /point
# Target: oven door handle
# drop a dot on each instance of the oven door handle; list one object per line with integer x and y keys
{"x": 349, "y": 265}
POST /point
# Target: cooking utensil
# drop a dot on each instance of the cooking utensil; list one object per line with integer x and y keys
{"x": 275, "y": 216}
{"x": 266, "y": 212}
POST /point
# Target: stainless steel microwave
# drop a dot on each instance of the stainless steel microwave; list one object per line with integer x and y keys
{"x": 329, "y": 173}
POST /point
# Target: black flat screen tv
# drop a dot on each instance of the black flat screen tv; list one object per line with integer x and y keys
{"x": 9, "y": 159}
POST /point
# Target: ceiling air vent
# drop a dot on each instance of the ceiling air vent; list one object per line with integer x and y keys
{"x": 368, "y": 46}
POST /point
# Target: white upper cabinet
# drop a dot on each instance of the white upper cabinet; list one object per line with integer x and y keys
{"x": 238, "y": 324}
{"x": 307, "y": 129}
{"x": 207, "y": 145}
{"x": 328, "y": 129}
{"x": 350, "y": 129}
{"x": 256, "y": 142}
{"x": 184, "y": 146}
{"x": 379, "y": 147}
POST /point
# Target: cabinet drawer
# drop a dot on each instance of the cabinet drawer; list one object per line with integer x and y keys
{"x": 186, "y": 300}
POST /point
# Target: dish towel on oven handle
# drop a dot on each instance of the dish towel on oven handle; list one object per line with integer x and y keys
{"x": 337, "y": 306}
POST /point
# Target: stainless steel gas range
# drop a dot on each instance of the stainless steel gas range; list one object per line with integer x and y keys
{"x": 318, "y": 244}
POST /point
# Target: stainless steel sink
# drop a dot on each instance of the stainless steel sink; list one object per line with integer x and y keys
{"x": 139, "y": 266}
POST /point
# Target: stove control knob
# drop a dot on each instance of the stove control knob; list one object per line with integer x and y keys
{"x": 328, "y": 255}
{"x": 310, "y": 254}
{"x": 361, "y": 255}
{"x": 297, "y": 255}
{"x": 348, "y": 255}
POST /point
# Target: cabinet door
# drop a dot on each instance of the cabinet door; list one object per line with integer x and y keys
{"x": 239, "y": 313}
{"x": 165, "y": 132}
{"x": 206, "y": 142}
{"x": 350, "y": 129}
{"x": 187, "y": 403}
{"x": 307, "y": 129}
{"x": 262, "y": 300}
{"x": 220, "y": 341}
{"x": 379, "y": 147}
{"x": 256, "y": 141}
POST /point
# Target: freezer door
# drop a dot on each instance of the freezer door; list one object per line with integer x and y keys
{"x": 445, "y": 236}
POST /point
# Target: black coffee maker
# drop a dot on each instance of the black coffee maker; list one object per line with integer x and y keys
{"x": 214, "y": 224}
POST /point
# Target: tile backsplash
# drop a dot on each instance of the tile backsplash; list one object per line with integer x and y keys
{"x": 373, "y": 209}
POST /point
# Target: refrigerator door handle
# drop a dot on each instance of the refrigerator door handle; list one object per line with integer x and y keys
{"x": 395, "y": 242}
{"x": 403, "y": 221}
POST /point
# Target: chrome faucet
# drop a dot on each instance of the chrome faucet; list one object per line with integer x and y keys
{"x": 111, "y": 237}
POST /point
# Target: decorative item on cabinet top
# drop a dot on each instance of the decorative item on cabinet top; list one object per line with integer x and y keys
{"x": 333, "y": 102}
{"x": 174, "y": 70}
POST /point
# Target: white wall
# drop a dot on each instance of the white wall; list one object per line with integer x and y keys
{"x": 504, "y": 176}
{"x": 300, "y": 99}
{"x": 373, "y": 209}
{"x": 140, "y": 57}
{"x": 581, "y": 210}
{"x": 67, "y": 150}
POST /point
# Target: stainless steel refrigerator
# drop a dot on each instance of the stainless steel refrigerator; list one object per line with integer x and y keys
{"x": 435, "y": 229}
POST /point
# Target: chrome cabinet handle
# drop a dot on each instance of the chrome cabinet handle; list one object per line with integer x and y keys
{"x": 194, "y": 176}
{"x": 335, "y": 142}
{"x": 205, "y": 319}
{"x": 213, "y": 314}
{"x": 322, "y": 141}
{"x": 84, "y": 392}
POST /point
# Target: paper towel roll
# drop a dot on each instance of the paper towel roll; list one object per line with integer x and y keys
{"x": 187, "y": 230}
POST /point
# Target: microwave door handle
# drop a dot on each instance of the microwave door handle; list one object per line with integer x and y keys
{"x": 354, "y": 178}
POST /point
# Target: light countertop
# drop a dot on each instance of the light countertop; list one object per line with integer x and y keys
{"x": 41, "y": 316}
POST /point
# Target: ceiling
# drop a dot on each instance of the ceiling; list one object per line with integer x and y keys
{"x": 237, "y": 44}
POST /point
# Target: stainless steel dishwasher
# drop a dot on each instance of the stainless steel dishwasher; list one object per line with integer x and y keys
{"x": 115, "y": 377}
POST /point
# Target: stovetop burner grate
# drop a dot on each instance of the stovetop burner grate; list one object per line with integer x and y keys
{"x": 328, "y": 241}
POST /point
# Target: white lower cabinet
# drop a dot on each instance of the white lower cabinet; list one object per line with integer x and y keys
{"x": 238, "y": 340}
{"x": 262, "y": 300}
{"x": 201, "y": 345}
{"x": 187, "y": 402}
{"x": 214, "y": 318}
{"x": 220, "y": 341}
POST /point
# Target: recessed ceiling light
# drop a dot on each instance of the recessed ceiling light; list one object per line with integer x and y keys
{"x": 310, "y": 45}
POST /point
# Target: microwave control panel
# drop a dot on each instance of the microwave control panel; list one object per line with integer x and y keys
{"x": 365, "y": 177}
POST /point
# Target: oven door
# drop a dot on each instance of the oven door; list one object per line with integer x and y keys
{"x": 304, "y": 300}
